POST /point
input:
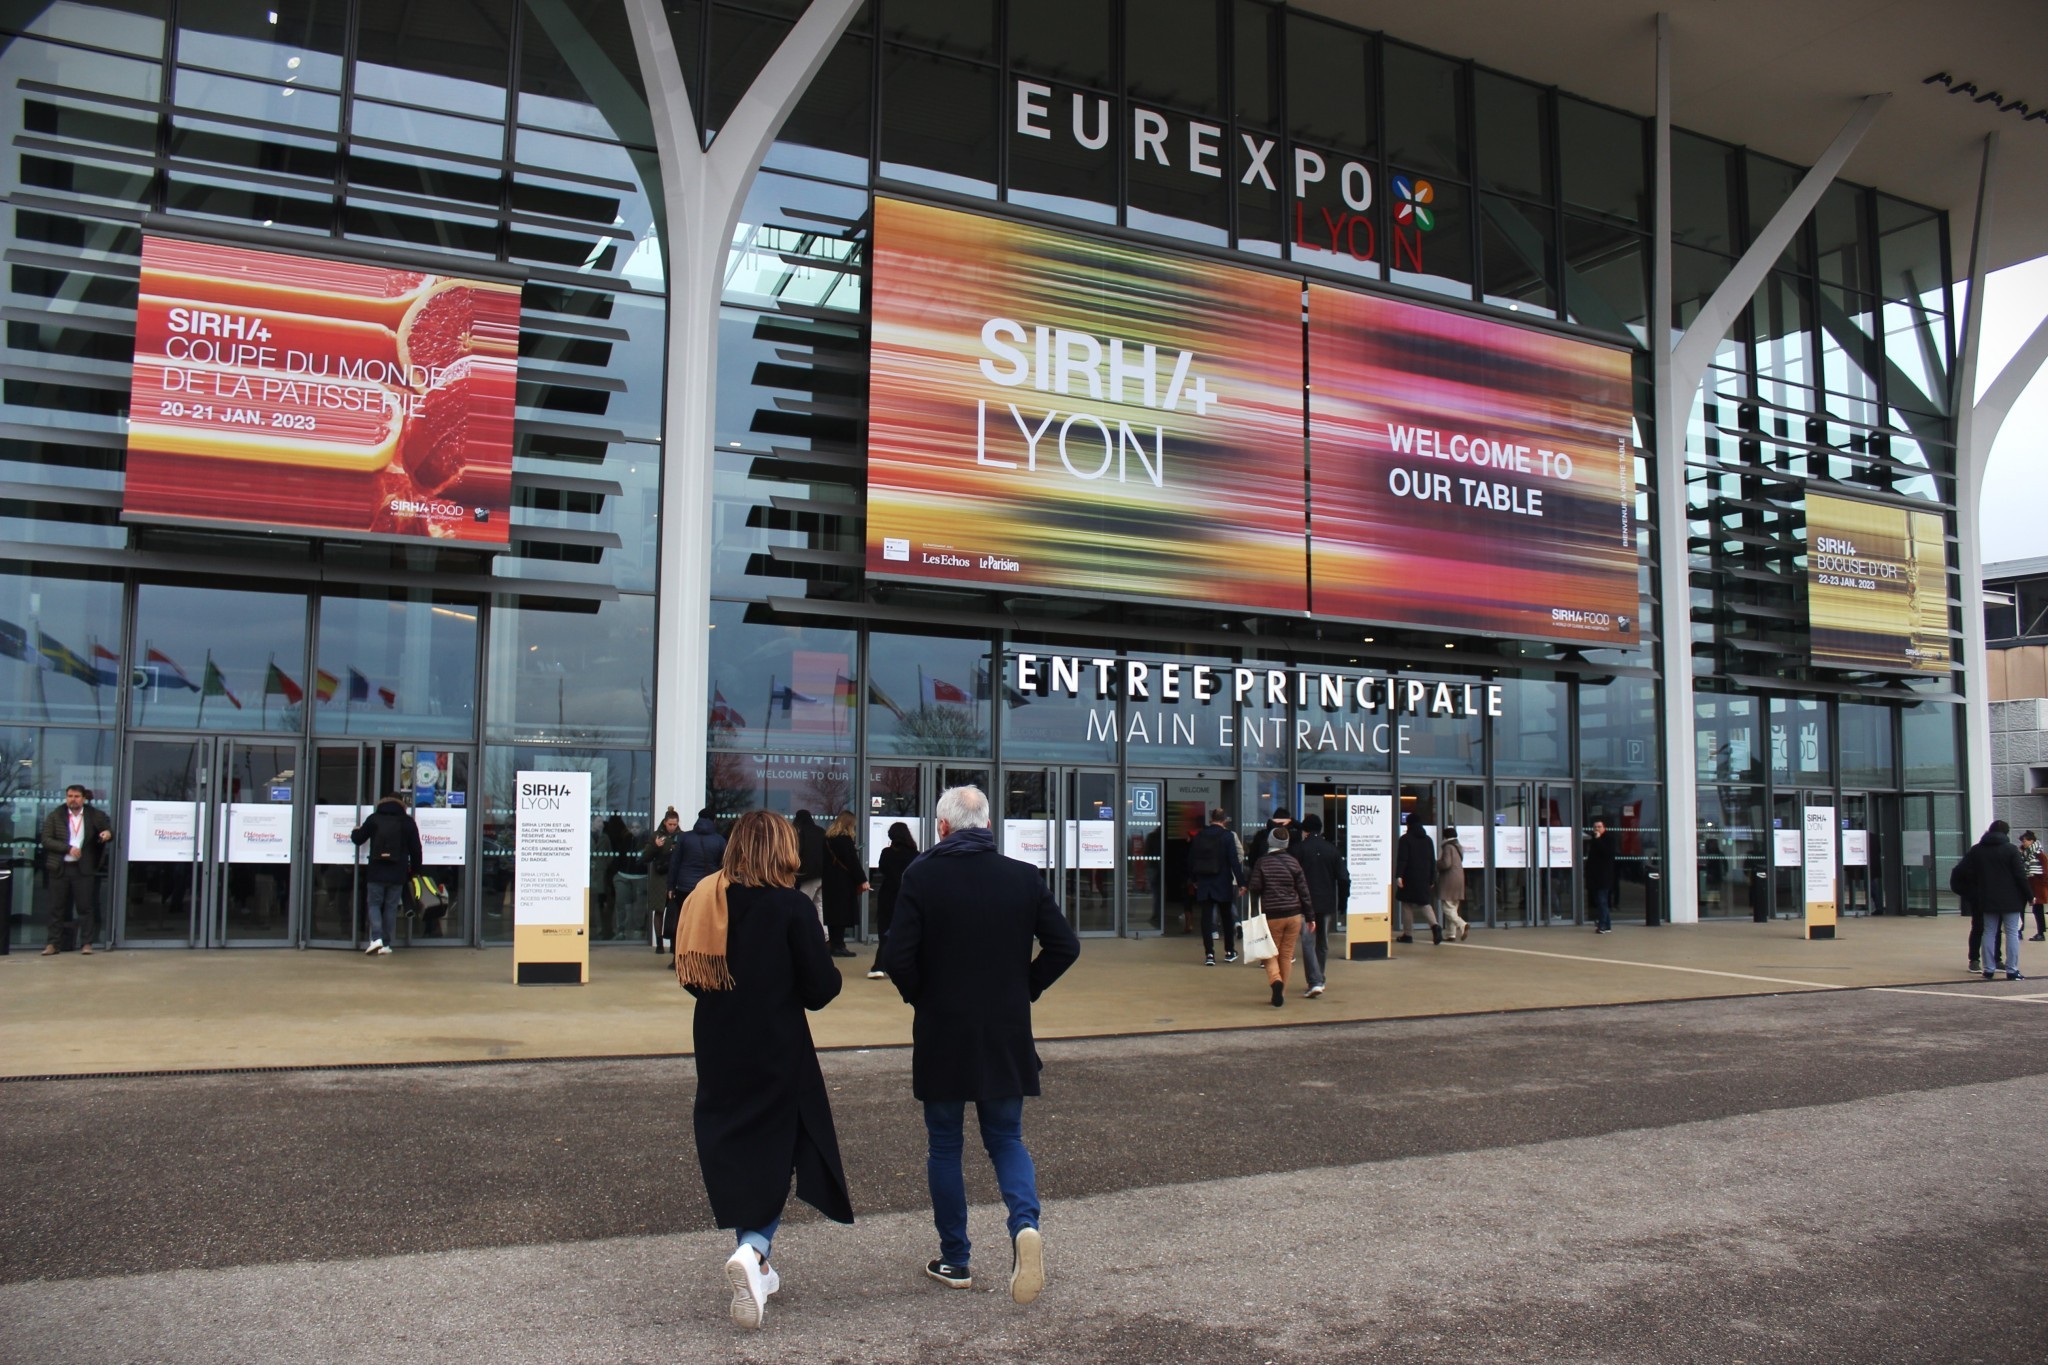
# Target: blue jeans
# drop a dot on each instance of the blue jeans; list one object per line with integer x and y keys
{"x": 760, "y": 1239}
{"x": 1002, "y": 1136}
{"x": 2006, "y": 928}
{"x": 1603, "y": 906}
{"x": 387, "y": 899}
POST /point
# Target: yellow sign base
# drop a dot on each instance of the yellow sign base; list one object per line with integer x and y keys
{"x": 1369, "y": 938}
{"x": 551, "y": 954}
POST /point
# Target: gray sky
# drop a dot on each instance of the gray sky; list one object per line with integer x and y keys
{"x": 2016, "y": 481}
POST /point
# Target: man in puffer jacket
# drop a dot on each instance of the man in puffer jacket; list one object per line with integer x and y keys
{"x": 698, "y": 853}
{"x": 1283, "y": 893}
{"x": 1992, "y": 878}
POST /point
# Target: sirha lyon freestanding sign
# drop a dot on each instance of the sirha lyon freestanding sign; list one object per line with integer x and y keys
{"x": 551, "y": 880}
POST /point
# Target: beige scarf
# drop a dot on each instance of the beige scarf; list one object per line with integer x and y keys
{"x": 700, "y": 937}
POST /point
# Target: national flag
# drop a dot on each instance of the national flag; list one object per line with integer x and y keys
{"x": 110, "y": 670}
{"x": 177, "y": 678}
{"x": 787, "y": 696}
{"x": 358, "y": 686}
{"x": 723, "y": 716}
{"x": 939, "y": 692}
{"x": 844, "y": 692}
{"x": 214, "y": 684}
{"x": 877, "y": 697}
{"x": 13, "y": 641}
{"x": 277, "y": 684}
{"x": 388, "y": 697}
{"x": 1011, "y": 696}
{"x": 324, "y": 684}
{"x": 58, "y": 658}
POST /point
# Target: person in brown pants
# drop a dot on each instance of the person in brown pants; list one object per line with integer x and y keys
{"x": 1282, "y": 889}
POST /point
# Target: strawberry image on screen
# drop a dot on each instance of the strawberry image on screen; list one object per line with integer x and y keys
{"x": 302, "y": 394}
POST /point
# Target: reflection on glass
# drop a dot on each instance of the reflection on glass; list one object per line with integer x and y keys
{"x": 931, "y": 695}
{"x": 60, "y": 642}
{"x": 220, "y": 659}
{"x": 295, "y": 41}
{"x": 939, "y": 121}
{"x": 621, "y": 797}
{"x": 777, "y": 686}
{"x": 35, "y": 767}
{"x": 1735, "y": 849}
{"x": 252, "y": 800}
{"x": 396, "y": 663}
{"x": 609, "y": 653}
{"x": 160, "y": 883}
{"x": 466, "y": 77}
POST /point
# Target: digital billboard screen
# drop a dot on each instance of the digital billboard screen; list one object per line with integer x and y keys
{"x": 293, "y": 392}
{"x": 1876, "y": 586}
{"x": 1469, "y": 475}
{"x": 1050, "y": 412}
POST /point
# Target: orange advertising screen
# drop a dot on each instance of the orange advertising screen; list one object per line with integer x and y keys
{"x": 298, "y": 393}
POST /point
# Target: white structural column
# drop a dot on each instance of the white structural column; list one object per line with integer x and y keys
{"x": 1977, "y": 425}
{"x": 1679, "y": 365}
{"x": 703, "y": 191}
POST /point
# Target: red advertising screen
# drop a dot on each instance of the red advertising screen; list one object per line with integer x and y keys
{"x": 1056, "y": 413}
{"x": 1469, "y": 475}
{"x": 290, "y": 392}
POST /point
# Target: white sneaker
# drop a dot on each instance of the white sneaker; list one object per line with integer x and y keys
{"x": 1314, "y": 991}
{"x": 876, "y": 976}
{"x": 771, "y": 1281}
{"x": 375, "y": 944}
{"x": 1027, "y": 1267}
{"x": 749, "y": 1287}
{"x": 383, "y": 951}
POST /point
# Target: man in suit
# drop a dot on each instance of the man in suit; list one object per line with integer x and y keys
{"x": 960, "y": 952}
{"x": 77, "y": 839}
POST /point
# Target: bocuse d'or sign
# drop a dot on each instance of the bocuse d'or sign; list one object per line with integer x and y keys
{"x": 295, "y": 392}
{"x": 1055, "y": 413}
{"x": 1876, "y": 585}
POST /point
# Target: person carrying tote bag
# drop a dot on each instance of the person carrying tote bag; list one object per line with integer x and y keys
{"x": 1282, "y": 889}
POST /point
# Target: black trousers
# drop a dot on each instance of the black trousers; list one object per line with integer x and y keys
{"x": 1213, "y": 914}
{"x": 74, "y": 893}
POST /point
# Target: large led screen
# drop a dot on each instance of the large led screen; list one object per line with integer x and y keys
{"x": 1876, "y": 585}
{"x": 298, "y": 393}
{"x": 1054, "y": 413}
{"x": 1468, "y": 475}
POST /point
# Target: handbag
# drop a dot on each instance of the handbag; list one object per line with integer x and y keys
{"x": 1256, "y": 940}
{"x": 425, "y": 896}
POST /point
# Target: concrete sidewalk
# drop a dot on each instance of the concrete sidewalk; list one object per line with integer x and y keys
{"x": 169, "y": 1011}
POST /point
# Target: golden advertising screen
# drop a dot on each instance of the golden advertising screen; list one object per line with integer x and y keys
{"x": 1876, "y": 585}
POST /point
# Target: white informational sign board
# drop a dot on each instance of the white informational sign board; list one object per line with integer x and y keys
{"x": 1820, "y": 858}
{"x": 1855, "y": 848}
{"x": 1028, "y": 841}
{"x": 1096, "y": 842}
{"x": 162, "y": 831}
{"x": 444, "y": 835}
{"x": 1369, "y": 851}
{"x": 1558, "y": 845}
{"x": 1787, "y": 849}
{"x": 331, "y": 828}
{"x": 1510, "y": 846}
{"x": 1472, "y": 841}
{"x": 551, "y": 861}
{"x": 878, "y": 834}
{"x": 257, "y": 832}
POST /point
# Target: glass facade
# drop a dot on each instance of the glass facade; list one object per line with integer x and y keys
{"x": 518, "y": 134}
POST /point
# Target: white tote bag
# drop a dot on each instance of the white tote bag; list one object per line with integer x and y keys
{"x": 1256, "y": 940}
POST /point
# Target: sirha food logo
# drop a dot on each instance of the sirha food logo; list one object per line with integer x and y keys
{"x": 1412, "y": 198}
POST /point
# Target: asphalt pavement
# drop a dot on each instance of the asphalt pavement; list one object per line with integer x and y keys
{"x": 1844, "y": 1175}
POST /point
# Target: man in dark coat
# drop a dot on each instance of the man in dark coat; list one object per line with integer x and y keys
{"x": 1603, "y": 870}
{"x": 77, "y": 839}
{"x": 1323, "y": 865}
{"x": 810, "y": 852}
{"x": 1264, "y": 838}
{"x": 394, "y": 856}
{"x": 959, "y": 952}
{"x": 1992, "y": 879}
{"x": 1220, "y": 878}
{"x": 1415, "y": 880}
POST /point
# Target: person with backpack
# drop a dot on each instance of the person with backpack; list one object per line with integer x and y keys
{"x": 1992, "y": 878}
{"x": 1219, "y": 876}
{"x": 394, "y": 856}
{"x": 1328, "y": 886}
{"x": 697, "y": 854}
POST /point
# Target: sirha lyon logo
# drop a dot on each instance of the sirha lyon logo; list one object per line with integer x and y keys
{"x": 1412, "y": 199}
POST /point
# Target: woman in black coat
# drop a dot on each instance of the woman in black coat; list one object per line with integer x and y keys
{"x": 896, "y": 859}
{"x": 761, "y": 1112}
{"x": 845, "y": 879}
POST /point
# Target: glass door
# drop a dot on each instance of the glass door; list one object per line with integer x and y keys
{"x": 1064, "y": 821}
{"x": 349, "y": 779}
{"x": 909, "y": 792}
{"x": 1853, "y": 848}
{"x": 1092, "y": 908}
{"x": 213, "y": 825}
{"x": 1518, "y": 889}
{"x": 1557, "y": 845}
{"x": 344, "y": 778}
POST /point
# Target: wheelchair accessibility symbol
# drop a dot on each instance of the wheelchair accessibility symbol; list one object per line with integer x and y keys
{"x": 1145, "y": 801}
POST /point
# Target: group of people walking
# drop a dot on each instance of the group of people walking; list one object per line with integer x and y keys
{"x": 959, "y": 948}
{"x": 1997, "y": 882}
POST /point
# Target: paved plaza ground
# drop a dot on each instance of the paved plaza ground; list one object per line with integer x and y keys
{"x": 1848, "y": 1172}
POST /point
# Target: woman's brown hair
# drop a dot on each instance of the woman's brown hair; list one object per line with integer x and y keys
{"x": 842, "y": 824}
{"x": 761, "y": 851}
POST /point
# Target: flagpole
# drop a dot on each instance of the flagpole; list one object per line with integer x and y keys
{"x": 769, "y": 723}
{"x": 268, "y": 669}
{"x": 205, "y": 678}
{"x": 92, "y": 661}
{"x": 42, "y": 693}
{"x": 142, "y": 716}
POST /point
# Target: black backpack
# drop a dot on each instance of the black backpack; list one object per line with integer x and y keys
{"x": 1204, "y": 859}
{"x": 387, "y": 839}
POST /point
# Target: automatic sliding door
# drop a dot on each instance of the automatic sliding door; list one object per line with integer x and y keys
{"x": 1144, "y": 845}
{"x": 342, "y": 779}
{"x": 253, "y": 809}
{"x": 1517, "y": 889}
{"x": 163, "y": 835}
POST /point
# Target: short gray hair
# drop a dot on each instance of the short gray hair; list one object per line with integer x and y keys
{"x": 963, "y": 808}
